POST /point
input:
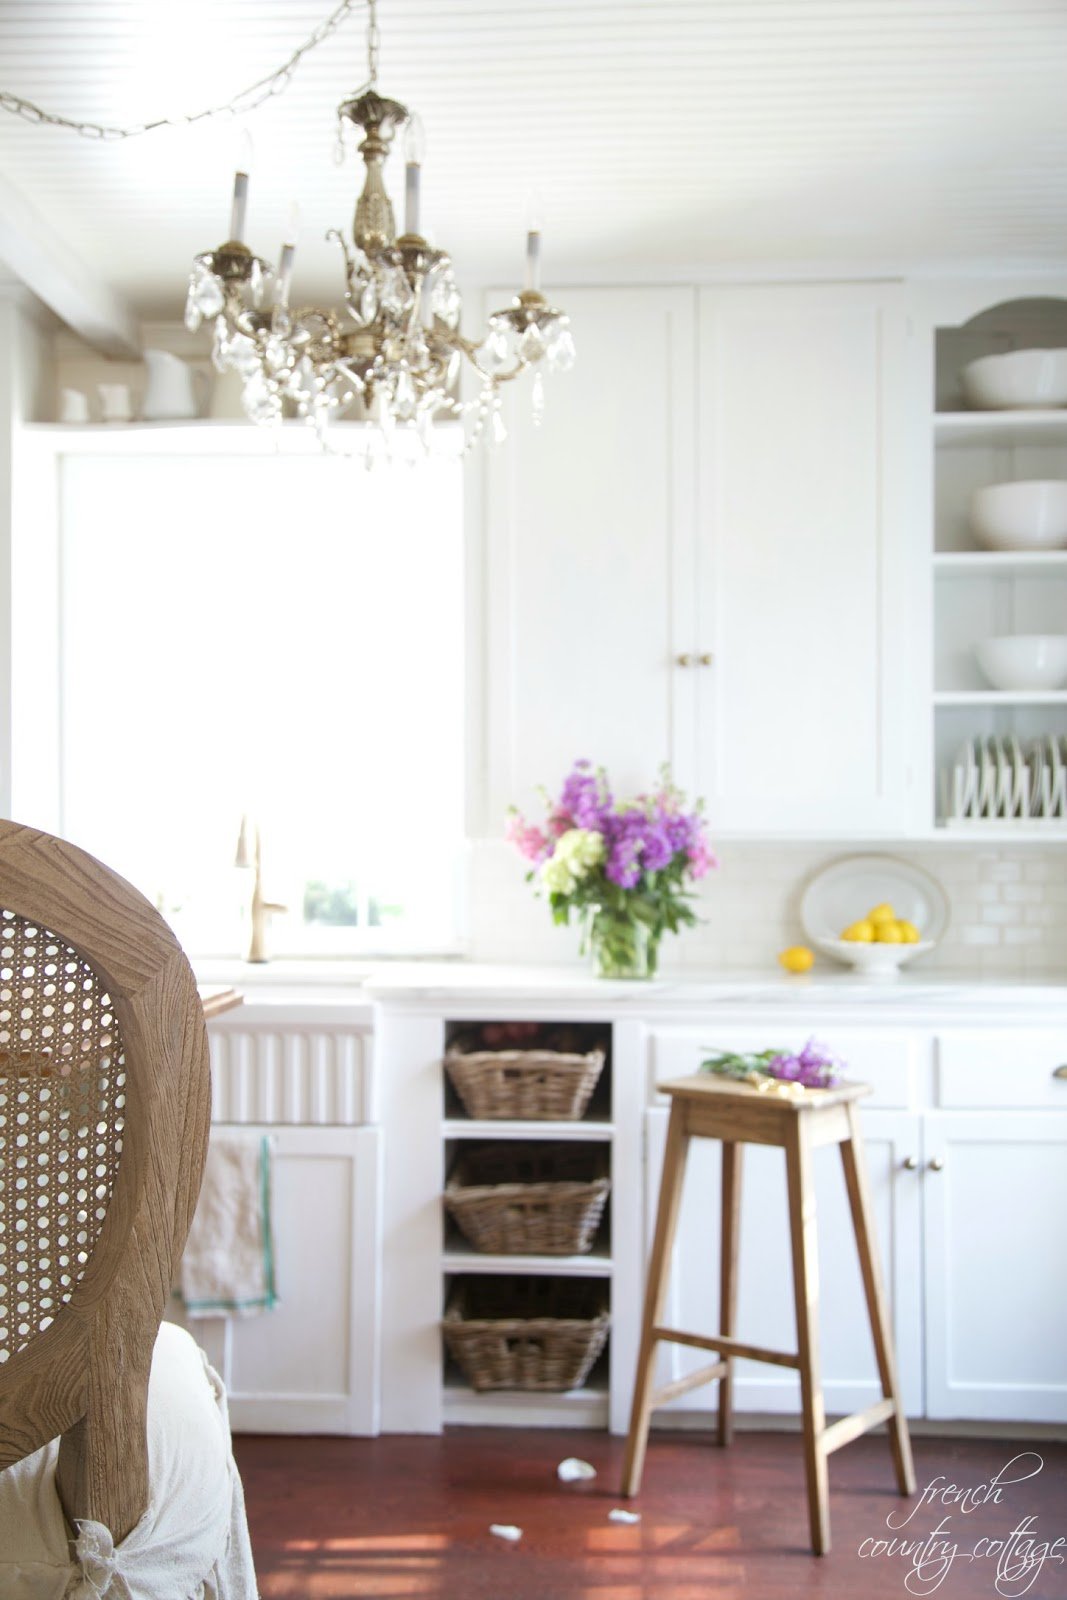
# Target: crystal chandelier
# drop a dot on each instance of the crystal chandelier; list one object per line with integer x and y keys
{"x": 395, "y": 354}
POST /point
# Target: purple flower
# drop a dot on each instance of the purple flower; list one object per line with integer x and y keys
{"x": 814, "y": 1067}
{"x": 585, "y": 797}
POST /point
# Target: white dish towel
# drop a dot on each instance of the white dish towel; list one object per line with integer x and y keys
{"x": 228, "y": 1265}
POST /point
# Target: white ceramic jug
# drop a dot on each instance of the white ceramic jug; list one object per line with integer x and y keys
{"x": 170, "y": 392}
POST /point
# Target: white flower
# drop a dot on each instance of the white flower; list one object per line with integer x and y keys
{"x": 581, "y": 848}
{"x": 557, "y": 877}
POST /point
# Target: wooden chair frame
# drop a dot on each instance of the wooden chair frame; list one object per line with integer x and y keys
{"x": 85, "y": 1377}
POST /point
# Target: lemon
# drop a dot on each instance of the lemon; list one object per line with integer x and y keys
{"x": 798, "y": 958}
{"x": 909, "y": 933}
{"x": 859, "y": 932}
{"x": 888, "y": 933}
{"x": 882, "y": 913}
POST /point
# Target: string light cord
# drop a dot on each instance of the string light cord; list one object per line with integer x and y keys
{"x": 266, "y": 88}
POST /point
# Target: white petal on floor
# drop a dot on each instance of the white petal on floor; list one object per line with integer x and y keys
{"x": 506, "y": 1530}
{"x": 574, "y": 1471}
{"x": 624, "y": 1516}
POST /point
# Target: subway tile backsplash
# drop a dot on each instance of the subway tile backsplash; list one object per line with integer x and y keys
{"x": 1007, "y": 918}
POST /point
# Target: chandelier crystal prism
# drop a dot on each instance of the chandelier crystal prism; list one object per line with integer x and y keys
{"x": 395, "y": 355}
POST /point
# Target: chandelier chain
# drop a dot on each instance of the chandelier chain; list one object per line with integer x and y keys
{"x": 374, "y": 42}
{"x": 275, "y": 83}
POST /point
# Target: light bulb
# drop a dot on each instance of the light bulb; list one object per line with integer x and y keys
{"x": 414, "y": 150}
{"x": 414, "y": 141}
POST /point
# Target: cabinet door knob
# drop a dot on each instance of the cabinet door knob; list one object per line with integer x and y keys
{"x": 1060, "y": 1072}
{"x": 910, "y": 1163}
{"x": 685, "y": 659}
{"x": 936, "y": 1164}
{"x": 706, "y": 659}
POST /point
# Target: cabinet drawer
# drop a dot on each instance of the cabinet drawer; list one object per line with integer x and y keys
{"x": 1011, "y": 1069}
{"x": 887, "y": 1061}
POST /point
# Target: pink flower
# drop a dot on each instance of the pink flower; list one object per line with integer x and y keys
{"x": 701, "y": 858}
{"x": 529, "y": 839}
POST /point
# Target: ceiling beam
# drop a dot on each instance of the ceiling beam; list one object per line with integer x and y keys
{"x": 47, "y": 265}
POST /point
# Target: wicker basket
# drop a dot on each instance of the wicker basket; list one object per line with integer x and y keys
{"x": 524, "y": 1084}
{"x": 529, "y": 1333}
{"x": 529, "y": 1200}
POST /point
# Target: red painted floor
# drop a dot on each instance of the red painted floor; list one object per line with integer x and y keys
{"x": 403, "y": 1517}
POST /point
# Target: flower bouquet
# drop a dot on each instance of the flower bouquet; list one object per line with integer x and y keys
{"x": 778, "y": 1071}
{"x": 623, "y": 866}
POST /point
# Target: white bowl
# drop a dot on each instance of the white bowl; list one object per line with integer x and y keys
{"x": 1017, "y": 380}
{"x": 873, "y": 960}
{"x": 1021, "y": 516}
{"x": 1024, "y": 660}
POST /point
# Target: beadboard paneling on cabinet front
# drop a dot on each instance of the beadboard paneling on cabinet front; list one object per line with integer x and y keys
{"x": 314, "y": 1074}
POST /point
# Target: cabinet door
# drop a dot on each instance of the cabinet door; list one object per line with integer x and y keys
{"x": 765, "y": 1295}
{"x": 996, "y": 1285}
{"x": 311, "y": 1364}
{"x": 589, "y": 529}
{"x": 804, "y": 560}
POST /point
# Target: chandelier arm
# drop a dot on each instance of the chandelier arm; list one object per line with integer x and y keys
{"x": 470, "y": 347}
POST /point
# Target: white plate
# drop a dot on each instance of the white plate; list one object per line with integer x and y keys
{"x": 845, "y": 890}
{"x": 1019, "y": 795}
{"x": 987, "y": 780}
{"x": 964, "y": 782}
{"x": 1057, "y": 777}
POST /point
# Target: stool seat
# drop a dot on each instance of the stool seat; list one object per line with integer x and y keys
{"x": 798, "y": 1120}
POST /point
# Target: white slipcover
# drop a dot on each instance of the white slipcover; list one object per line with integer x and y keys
{"x": 192, "y": 1542}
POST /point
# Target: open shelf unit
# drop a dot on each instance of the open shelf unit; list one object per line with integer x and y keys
{"x": 460, "y": 1260}
{"x": 981, "y": 593}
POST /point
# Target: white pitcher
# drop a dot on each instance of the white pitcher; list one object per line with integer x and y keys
{"x": 170, "y": 393}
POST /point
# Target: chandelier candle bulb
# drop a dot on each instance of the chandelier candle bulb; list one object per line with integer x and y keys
{"x": 533, "y": 259}
{"x": 285, "y": 275}
{"x": 239, "y": 207}
{"x": 414, "y": 150}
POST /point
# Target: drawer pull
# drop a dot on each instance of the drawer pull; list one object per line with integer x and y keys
{"x": 936, "y": 1164}
{"x": 910, "y": 1163}
{"x": 1060, "y": 1072}
{"x": 685, "y": 659}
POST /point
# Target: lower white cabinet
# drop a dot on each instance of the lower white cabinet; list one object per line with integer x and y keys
{"x": 311, "y": 1365}
{"x": 765, "y": 1284}
{"x": 969, "y": 1193}
{"x": 995, "y": 1203}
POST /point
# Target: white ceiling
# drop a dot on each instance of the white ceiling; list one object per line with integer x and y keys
{"x": 664, "y": 138}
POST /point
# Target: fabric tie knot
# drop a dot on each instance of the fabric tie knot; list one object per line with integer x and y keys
{"x": 94, "y": 1552}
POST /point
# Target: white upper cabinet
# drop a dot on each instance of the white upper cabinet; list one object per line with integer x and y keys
{"x": 700, "y": 556}
{"x": 585, "y": 514}
{"x": 802, "y": 559}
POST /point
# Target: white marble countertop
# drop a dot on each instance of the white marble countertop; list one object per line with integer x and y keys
{"x": 357, "y": 986}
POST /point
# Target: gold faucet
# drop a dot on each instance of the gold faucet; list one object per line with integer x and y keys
{"x": 250, "y": 854}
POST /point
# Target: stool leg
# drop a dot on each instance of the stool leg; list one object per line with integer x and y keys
{"x": 806, "y": 1295}
{"x": 731, "y": 1216}
{"x": 670, "y": 1194}
{"x": 859, "y": 1199}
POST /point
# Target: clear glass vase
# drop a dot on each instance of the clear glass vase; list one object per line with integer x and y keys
{"x": 621, "y": 945}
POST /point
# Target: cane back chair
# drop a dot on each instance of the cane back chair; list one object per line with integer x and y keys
{"x": 104, "y": 1110}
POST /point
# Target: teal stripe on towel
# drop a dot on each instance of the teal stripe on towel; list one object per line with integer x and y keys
{"x": 269, "y": 1299}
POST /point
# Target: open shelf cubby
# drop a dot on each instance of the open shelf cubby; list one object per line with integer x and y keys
{"x": 982, "y": 593}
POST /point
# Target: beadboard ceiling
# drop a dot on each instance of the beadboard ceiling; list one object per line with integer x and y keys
{"x": 664, "y": 138}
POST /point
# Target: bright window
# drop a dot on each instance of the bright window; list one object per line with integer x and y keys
{"x": 278, "y": 637}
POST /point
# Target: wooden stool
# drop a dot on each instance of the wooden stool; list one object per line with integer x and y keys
{"x": 707, "y": 1107}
